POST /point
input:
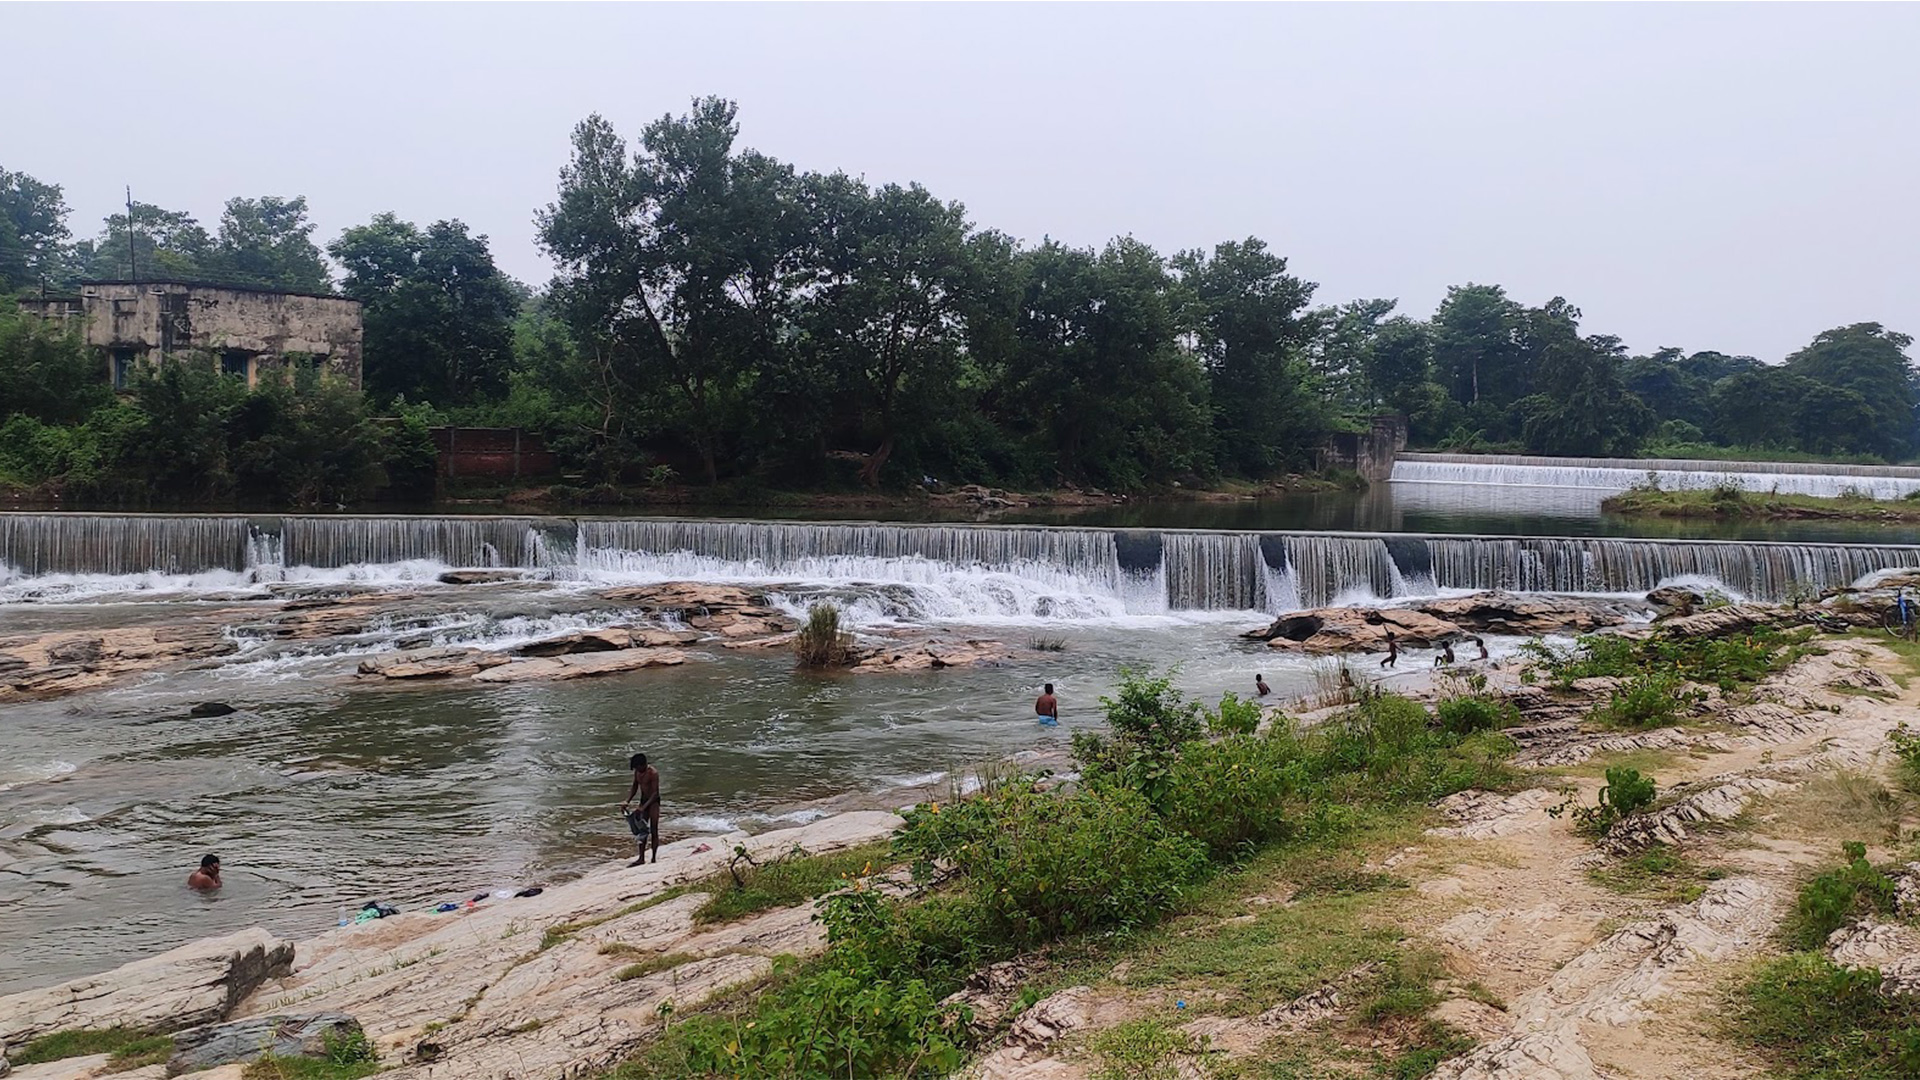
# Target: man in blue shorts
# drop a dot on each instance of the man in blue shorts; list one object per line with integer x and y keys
{"x": 1047, "y": 707}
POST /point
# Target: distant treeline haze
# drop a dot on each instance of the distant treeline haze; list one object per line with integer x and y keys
{"x": 720, "y": 316}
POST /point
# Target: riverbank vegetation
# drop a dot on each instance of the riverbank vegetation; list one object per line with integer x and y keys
{"x": 721, "y": 317}
{"x": 1164, "y": 819}
{"x": 1730, "y": 502}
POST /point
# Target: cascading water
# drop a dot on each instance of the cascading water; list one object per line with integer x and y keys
{"x": 1619, "y": 474}
{"x": 936, "y": 572}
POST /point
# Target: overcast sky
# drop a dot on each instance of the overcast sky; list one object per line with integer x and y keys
{"x": 1725, "y": 176}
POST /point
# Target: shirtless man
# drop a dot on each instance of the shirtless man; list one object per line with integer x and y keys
{"x": 1046, "y": 706}
{"x": 644, "y": 820}
{"x": 207, "y": 878}
{"x": 1260, "y": 686}
{"x": 1393, "y": 651}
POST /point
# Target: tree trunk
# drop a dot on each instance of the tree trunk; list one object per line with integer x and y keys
{"x": 870, "y": 472}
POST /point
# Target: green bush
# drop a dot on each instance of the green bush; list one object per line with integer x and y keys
{"x": 1646, "y": 701}
{"x": 1837, "y": 897}
{"x": 1045, "y": 864}
{"x": 1148, "y": 722}
{"x": 1626, "y": 793}
{"x": 1234, "y": 716}
{"x": 1470, "y": 713}
{"x": 820, "y": 643}
{"x": 1816, "y": 1020}
{"x": 1906, "y": 750}
{"x": 1232, "y": 795}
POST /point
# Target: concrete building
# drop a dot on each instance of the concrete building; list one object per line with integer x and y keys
{"x": 247, "y": 332}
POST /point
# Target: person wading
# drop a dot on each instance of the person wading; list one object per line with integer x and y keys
{"x": 1260, "y": 687}
{"x": 1393, "y": 651}
{"x": 644, "y": 820}
{"x": 1046, "y": 706}
{"x": 207, "y": 878}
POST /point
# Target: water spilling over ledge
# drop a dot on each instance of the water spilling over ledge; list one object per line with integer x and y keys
{"x": 1619, "y": 474}
{"x": 965, "y": 570}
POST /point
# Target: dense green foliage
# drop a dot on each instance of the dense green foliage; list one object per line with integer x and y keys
{"x": 1817, "y": 1020}
{"x": 1024, "y": 863}
{"x": 1835, "y": 898}
{"x": 1729, "y": 663}
{"x": 720, "y": 315}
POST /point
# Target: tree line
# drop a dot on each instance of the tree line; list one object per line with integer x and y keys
{"x": 720, "y": 314}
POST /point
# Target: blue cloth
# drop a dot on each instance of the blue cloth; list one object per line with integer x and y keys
{"x": 1049, "y": 721}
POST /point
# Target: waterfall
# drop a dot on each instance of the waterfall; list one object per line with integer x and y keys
{"x": 454, "y": 541}
{"x": 121, "y": 544}
{"x": 1618, "y": 474}
{"x": 936, "y": 572}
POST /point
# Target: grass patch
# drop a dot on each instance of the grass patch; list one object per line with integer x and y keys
{"x": 1836, "y": 898}
{"x": 1842, "y": 802}
{"x": 1147, "y": 1049}
{"x": 1814, "y": 1020}
{"x": 785, "y": 882}
{"x": 653, "y": 965}
{"x": 348, "y": 1057}
{"x": 1047, "y": 644}
{"x": 129, "y": 1048}
{"x": 1732, "y": 503}
{"x": 1658, "y": 873}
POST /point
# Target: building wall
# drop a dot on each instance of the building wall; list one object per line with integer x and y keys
{"x": 1369, "y": 453}
{"x": 494, "y": 453}
{"x": 254, "y": 329}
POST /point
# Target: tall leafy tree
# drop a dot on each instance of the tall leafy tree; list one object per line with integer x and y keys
{"x": 677, "y": 266}
{"x": 164, "y": 244}
{"x": 1476, "y": 344}
{"x": 1248, "y": 317}
{"x": 1582, "y": 406}
{"x": 1871, "y": 361}
{"x": 33, "y": 230}
{"x": 268, "y": 242}
{"x": 439, "y": 314}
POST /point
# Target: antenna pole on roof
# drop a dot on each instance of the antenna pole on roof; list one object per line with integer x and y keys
{"x": 133, "y": 271}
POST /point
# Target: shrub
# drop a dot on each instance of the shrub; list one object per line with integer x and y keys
{"x": 1626, "y": 793}
{"x": 1148, "y": 721}
{"x": 1646, "y": 701}
{"x": 1906, "y": 749}
{"x": 1468, "y": 713}
{"x": 1835, "y": 898}
{"x": 820, "y": 643}
{"x": 1044, "y": 864}
{"x": 1819, "y": 1021}
{"x": 1232, "y": 795}
{"x": 1234, "y": 716}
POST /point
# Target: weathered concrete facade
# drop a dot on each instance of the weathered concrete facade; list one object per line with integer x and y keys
{"x": 245, "y": 332}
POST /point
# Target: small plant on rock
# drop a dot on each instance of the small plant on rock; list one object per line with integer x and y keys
{"x": 820, "y": 643}
{"x": 1626, "y": 794}
{"x": 1837, "y": 897}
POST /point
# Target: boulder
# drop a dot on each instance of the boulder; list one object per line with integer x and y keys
{"x": 1532, "y": 614}
{"x": 1334, "y": 630}
{"x": 580, "y": 665}
{"x": 441, "y": 663}
{"x": 212, "y": 708}
{"x": 480, "y": 577}
{"x": 931, "y": 656}
{"x": 580, "y": 641}
{"x": 66, "y": 661}
{"x": 304, "y": 1035}
{"x": 1679, "y": 599}
{"x": 653, "y": 638}
{"x": 193, "y": 985}
{"x": 1729, "y": 620}
{"x": 727, "y": 610}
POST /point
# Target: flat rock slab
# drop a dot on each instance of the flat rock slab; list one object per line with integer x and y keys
{"x": 1335, "y": 630}
{"x": 440, "y": 663}
{"x": 196, "y": 984}
{"x": 305, "y": 1035}
{"x": 1533, "y": 614}
{"x": 580, "y": 665}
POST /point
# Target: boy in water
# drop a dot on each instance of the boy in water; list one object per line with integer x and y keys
{"x": 1260, "y": 686}
{"x": 207, "y": 878}
{"x": 1393, "y": 651}
{"x": 644, "y": 821}
{"x": 1047, "y": 707}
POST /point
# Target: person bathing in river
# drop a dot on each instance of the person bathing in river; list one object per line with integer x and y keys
{"x": 1046, "y": 706}
{"x": 644, "y": 820}
{"x": 1260, "y": 687}
{"x": 1482, "y": 643}
{"x": 1393, "y": 651}
{"x": 207, "y": 878}
{"x": 1445, "y": 658}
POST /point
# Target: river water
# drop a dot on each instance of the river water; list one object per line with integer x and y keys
{"x": 323, "y": 792}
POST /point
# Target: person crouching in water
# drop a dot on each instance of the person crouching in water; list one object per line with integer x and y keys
{"x": 643, "y": 821}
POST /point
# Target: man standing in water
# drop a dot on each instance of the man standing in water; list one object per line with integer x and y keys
{"x": 1046, "y": 706}
{"x": 1393, "y": 651}
{"x": 207, "y": 878}
{"x": 643, "y": 821}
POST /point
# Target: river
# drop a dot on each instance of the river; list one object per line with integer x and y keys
{"x": 323, "y": 792}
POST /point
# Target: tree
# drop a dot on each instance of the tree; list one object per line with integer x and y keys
{"x": 887, "y": 312}
{"x": 33, "y": 228}
{"x": 1096, "y": 366}
{"x": 1582, "y": 406}
{"x": 1247, "y": 315}
{"x": 1342, "y": 336}
{"x": 315, "y": 445}
{"x": 46, "y": 371}
{"x": 1398, "y": 362}
{"x": 165, "y": 244}
{"x": 1871, "y": 361}
{"x": 268, "y": 242}
{"x": 438, "y": 313}
{"x": 1476, "y": 345}
{"x": 677, "y": 267}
